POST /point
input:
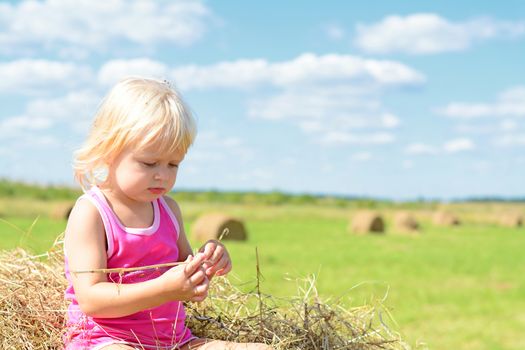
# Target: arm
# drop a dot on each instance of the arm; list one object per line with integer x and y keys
{"x": 217, "y": 256}
{"x": 85, "y": 250}
{"x": 182, "y": 242}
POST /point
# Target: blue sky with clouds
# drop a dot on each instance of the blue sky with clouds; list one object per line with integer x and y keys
{"x": 396, "y": 99}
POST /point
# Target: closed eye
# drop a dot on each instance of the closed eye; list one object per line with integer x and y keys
{"x": 149, "y": 164}
{"x": 173, "y": 165}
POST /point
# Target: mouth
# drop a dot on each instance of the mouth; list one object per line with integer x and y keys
{"x": 156, "y": 190}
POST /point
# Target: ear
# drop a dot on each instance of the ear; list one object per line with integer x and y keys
{"x": 100, "y": 173}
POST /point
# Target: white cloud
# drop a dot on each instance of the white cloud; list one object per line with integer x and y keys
{"x": 38, "y": 76}
{"x": 428, "y": 33}
{"x": 24, "y": 122}
{"x": 114, "y": 70}
{"x": 328, "y": 95}
{"x": 458, "y": 145}
{"x": 334, "y": 31}
{"x": 73, "y": 110}
{"x": 361, "y": 156}
{"x": 508, "y": 125}
{"x": 94, "y": 25}
{"x": 43, "y": 141}
{"x": 310, "y": 68}
{"x": 330, "y": 115}
{"x": 389, "y": 120}
{"x": 481, "y": 166}
{"x": 509, "y": 103}
{"x": 321, "y": 104}
{"x": 213, "y": 147}
{"x": 236, "y": 74}
{"x": 509, "y": 139}
{"x": 451, "y": 146}
{"x": 307, "y": 69}
{"x": 472, "y": 128}
{"x": 480, "y": 117}
{"x": 344, "y": 138}
{"x": 421, "y": 149}
{"x": 407, "y": 164}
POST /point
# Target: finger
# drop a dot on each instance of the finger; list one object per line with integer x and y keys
{"x": 197, "y": 277}
{"x": 188, "y": 259}
{"x": 199, "y": 298}
{"x": 225, "y": 269}
{"x": 201, "y": 289}
{"x": 223, "y": 261}
{"x": 194, "y": 263}
{"x": 209, "y": 248}
{"x": 218, "y": 253}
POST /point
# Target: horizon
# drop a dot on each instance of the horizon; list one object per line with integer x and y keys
{"x": 350, "y": 197}
{"x": 385, "y": 100}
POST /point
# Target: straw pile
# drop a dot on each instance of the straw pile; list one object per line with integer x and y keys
{"x": 445, "y": 218}
{"x": 214, "y": 225}
{"x": 512, "y": 220}
{"x": 406, "y": 222}
{"x": 367, "y": 222}
{"x": 32, "y": 311}
{"x": 31, "y": 301}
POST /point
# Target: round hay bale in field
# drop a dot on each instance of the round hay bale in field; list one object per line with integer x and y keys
{"x": 406, "y": 222}
{"x": 213, "y": 225}
{"x": 61, "y": 211}
{"x": 511, "y": 220}
{"x": 445, "y": 218}
{"x": 367, "y": 222}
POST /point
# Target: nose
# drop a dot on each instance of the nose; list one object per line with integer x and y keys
{"x": 162, "y": 174}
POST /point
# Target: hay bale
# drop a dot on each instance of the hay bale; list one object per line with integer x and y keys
{"x": 213, "y": 225}
{"x": 445, "y": 218}
{"x": 406, "y": 222}
{"x": 367, "y": 222}
{"x": 61, "y": 210}
{"x": 511, "y": 220}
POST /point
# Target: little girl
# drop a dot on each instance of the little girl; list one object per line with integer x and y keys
{"x": 124, "y": 220}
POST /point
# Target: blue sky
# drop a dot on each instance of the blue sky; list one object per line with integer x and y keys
{"x": 392, "y": 99}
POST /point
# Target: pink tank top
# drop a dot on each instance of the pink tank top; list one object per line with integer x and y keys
{"x": 158, "y": 328}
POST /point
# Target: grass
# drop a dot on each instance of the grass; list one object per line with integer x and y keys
{"x": 457, "y": 288}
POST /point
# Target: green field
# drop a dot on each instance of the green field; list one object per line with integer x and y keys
{"x": 448, "y": 288}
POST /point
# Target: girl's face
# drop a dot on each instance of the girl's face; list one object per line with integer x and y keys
{"x": 143, "y": 175}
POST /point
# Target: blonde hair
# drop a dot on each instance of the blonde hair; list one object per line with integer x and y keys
{"x": 137, "y": 112}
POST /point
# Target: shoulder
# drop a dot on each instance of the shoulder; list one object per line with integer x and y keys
{"x": 85, "y": 229}
{"x": 85, "y": 214}
{"x": 172, "y": 204}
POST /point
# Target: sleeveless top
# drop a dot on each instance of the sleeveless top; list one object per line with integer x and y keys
{"x": 159, "y": 327}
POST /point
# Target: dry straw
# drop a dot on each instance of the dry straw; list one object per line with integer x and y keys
{"x": 33, "y": 308}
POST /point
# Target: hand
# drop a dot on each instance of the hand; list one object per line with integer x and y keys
{"x": 188, "y": 281}
{"x": 218, "y": 260}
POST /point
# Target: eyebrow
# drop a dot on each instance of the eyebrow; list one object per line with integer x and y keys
{"x": 157, "y": 157}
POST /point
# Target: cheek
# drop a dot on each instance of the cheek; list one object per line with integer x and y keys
{"x": 174, "y": 175}
{"x": 127, "y": 176}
